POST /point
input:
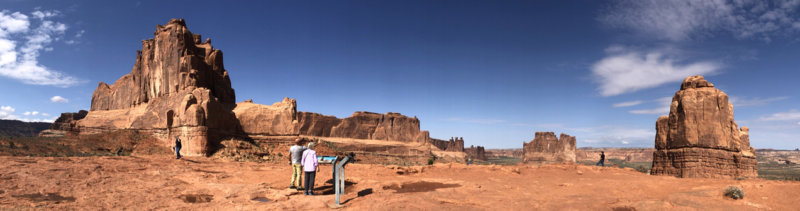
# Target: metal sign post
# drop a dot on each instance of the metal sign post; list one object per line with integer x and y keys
{"x": 338, "y": 177}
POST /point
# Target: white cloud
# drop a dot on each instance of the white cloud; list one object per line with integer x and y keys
{"x": 613, "y": 136}
{"x": 662, "y": 109}
{"x": 41, "y": 15}
{"x": 13, "y": 23}
{"x": 744, "y": 102}
{"x": 7, "y": 112}
{"x": 475, "y": 121}
{"x": 627, "y": 104}
{"x": 20, "y": 62}
{"x": 58, "y": 99}
{"x": 782, "y": 116}
{"x": 678, "y": 20}
{"x": 625, "y": 70}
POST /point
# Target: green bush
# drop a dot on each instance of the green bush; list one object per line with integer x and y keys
{"x": 734, "y": 192}
{"x": 430, "y": 160}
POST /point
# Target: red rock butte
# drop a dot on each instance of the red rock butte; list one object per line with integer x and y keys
{"x": 179, "y": 87}
{"x": 546, "y": 148}
{"x": 699, "y": 138}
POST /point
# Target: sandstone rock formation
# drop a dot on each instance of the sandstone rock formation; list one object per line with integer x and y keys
{"x": 179, "y": 87}
{"x": 476, "y": 153}
{"x": 278, "y": 119}
{"x": 67, "y": 121}
{"x": 545, "y": 148}
{"x": 455, "y": 144}
{"x": 700, "y": 138}
{"x": 363, "y": 125}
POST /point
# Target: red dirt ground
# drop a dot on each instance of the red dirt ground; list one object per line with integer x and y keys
{"x": 161, "y": 182}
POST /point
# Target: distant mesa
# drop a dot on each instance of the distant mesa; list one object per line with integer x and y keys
{"x": 180, "y": 87}
{"x": 699, "y": 137}
{"x": 546, "y": 148}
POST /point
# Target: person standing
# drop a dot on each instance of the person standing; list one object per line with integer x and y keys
{"x": 178, "y": 147}
{"x": 602, "y": 161}
{"x": 296, "y": 153}
{"x": 310, "y": 167}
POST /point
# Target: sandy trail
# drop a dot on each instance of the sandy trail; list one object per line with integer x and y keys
{"x": 163, "y": 183}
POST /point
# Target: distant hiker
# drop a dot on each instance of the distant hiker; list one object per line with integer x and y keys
{"x": 296, "y": 153}
{"x": 469, "y": 161}
{"x": 178, "y": 147}
{"x": 602, "y": 161}
{"x": 310, "y": 167}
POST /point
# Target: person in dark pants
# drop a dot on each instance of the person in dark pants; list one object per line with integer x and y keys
{"x": 310, "y": 165}
{"x": 602, "y": 161}
{"x": 178, "y": 147}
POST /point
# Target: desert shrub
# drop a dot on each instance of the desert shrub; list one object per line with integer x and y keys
{"x": 734, "y": 192}
{"x": 642, "y": 169}
{"x": 430, "y": 160}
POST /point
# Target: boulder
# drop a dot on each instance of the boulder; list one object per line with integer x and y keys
{"x": 546, "y": 148}
{"x": 699, "y": 137}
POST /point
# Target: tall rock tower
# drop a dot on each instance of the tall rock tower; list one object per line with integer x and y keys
{"x": 699, "y": 138}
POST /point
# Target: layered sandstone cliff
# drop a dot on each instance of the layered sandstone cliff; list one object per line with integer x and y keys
{"x": 546, "y": 148}
{"x": 700, "y": 138}
{"x": 363, "y": 125}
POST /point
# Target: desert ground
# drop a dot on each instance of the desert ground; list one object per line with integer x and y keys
{"x": 159, "y": 182}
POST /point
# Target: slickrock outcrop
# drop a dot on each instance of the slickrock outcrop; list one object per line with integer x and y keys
{"x": 545, "y": 148}
{"x": 700, "y": 138}
{"x": 476, "y": 153}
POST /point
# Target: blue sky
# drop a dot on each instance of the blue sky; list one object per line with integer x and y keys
{"x": 493, "y": 72}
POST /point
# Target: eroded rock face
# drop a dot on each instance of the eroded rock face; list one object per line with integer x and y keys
{"x": 278, "y": 119}
{"x": 700, "y": 138}
{"x": 476, "y": 153}
{"x": 177, "y": 87}
{"x": 172, "y": 61}
{"x": 546, "y": 148}
{"x": 67, "y": 121}
{"x": 314, "y": 124}
{"x": 455, "y": 144}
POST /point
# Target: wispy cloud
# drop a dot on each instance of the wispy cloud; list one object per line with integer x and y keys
{"x": 475, "y": 121}
{"x": 627, "y": 104}
{"x": 663, "y": 107}
{"x": 614, "y": 136}
{"x": 791, "y": 115}
{"x": 625, "y": 70}
{"x": 744, "y": 102}
{"x": 20, "y": 62}
{"x": 679, "y": 20}
{"x": 58, "y": 99}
